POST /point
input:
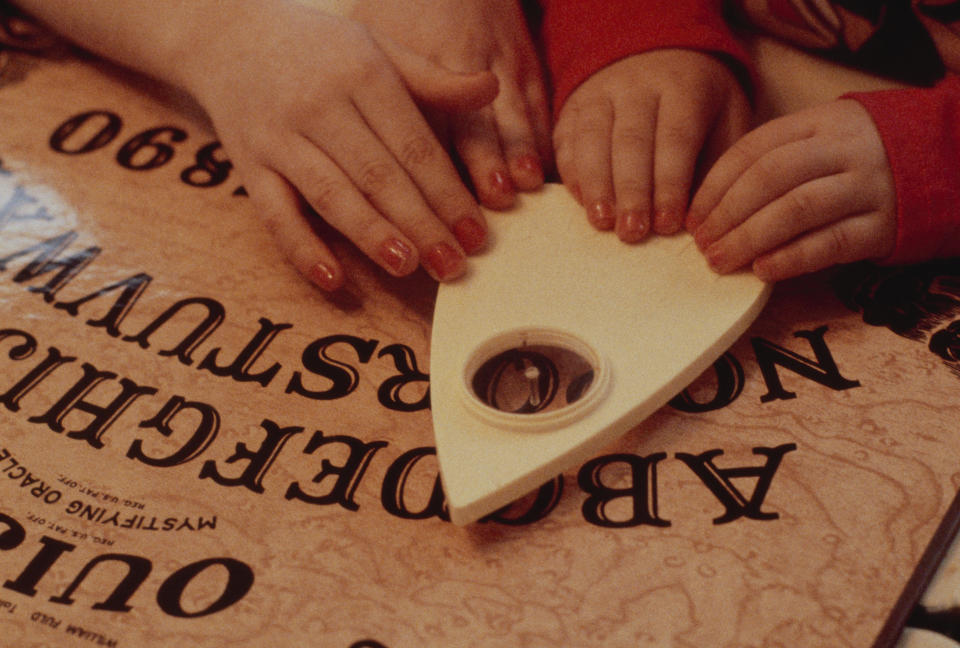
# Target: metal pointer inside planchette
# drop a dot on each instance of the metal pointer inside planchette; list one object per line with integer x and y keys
{"x": 563, "y": 338}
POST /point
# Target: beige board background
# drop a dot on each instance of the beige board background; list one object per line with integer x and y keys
{"x": 853, "y": 505}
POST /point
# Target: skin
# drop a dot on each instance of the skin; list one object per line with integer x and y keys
{"x": 308, "y": 129}
{"x": 798, "y": 194}
{"x": 504, "y": 146}
{"x": 629, "y": 140}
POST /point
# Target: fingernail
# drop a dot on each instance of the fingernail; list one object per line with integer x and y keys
{"x": 501, "y": 183}
{"x": 471, "y": 235}
{"x": 443, "y": 261}
{"x": 396, "y": 254}
{"x": 667, "y": 221}
{"x": 715, "y": 257}
{"x": 632, "y": 225}
{"x": 324, "y": 276}
{"x": 529, "y": 165}
{"x": 601, "y": 215}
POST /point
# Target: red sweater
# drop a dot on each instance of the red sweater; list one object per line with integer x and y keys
{"x": 582, "y": 36}
{"x": 920, "y": 127}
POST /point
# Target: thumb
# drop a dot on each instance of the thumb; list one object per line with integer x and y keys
{"x": 436, "y": 86}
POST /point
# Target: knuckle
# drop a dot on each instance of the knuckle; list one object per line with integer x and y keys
{"x": 839, "y": 243}
{"x": 324, "y": 193}
{"x": 593, "y": 127}
{"x": 679, "y": 135}
{"x": 417, "y": 150}
{"x": 634, "y": 137}
{"x": 272, "y": 222}
{"x": 375, "y": 176}
{"x": 369, "y": 71}
{"x": 768, "y": 170}
{"x": 742, "y": 154}
{"x": 802, "y": 205}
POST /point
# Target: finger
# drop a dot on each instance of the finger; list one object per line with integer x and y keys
{"x": 477, "y": 141}
{"x": 336, "y": 198}
{"x": 681, "y": 131}
{"x": 392, "y": 194}
{"x": 517, "y": 138}
{"x": 592, "y": 153}
{"x": 739, "y": 158}
{"x": 284, "y": 218}
{"x": 771, "y": 176}
{"x": 564, "y": 150}
{"x": 634, "y": 132}
{"x": 539, "y": 111}
{"x": 806, "y": 208}
{"x": 733, "y": 123}
{"x": 845, "y": 241}
{"x": 393, "y": 118}
{"x": 435, "y": 84}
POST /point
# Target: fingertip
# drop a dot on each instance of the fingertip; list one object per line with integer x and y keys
{"x": 633, "y": 225}
{"x": 326, "y": 276}
{"x": 667, "y": 220}
{"x": 498, "y": 191}
{"x": 600, "y": 214}
{"x": 527, "y": 172}
{"x": 702, "y": 238}
{"x": 444, "y": 262}
{"x": 471, "y": 234}
{"x": 717, "y": 258}
{"x": 397, "y": 257}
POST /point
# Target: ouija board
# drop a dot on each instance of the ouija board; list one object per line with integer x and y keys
{"x": 198, "y": 448}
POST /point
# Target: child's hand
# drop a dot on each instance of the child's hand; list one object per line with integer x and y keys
{"x": 628, "y": 139}
{"x": 798, "y": 194}
{"x": 504, "y": 146}
{"x": 311, "y": 109}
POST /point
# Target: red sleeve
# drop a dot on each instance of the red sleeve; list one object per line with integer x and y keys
{"x": 582, "y": 36}
{"x": 920, "y": 129}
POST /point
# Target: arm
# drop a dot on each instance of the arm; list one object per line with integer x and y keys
{"x": 304, "y": 124}
{"x": 920, "y": 129}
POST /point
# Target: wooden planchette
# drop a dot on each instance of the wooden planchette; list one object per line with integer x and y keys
{"x": 563, "y": 338}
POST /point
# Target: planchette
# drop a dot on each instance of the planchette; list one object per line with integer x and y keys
{"x": 563, "y": 338}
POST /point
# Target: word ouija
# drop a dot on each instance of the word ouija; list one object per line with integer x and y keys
{"x": 169, "y": 596}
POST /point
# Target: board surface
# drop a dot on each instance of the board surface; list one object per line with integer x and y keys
{"x": 198, "y": 448}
